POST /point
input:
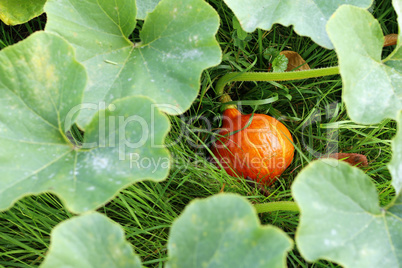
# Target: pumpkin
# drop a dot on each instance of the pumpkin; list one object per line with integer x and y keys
{"x": 260, "y": 150}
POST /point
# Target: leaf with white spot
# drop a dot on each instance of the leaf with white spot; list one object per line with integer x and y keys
{"x": 341, "y": 220}
{"x": 177, "y": 44}
{"x": 14, "y": 12}
{"x": 224, "y": 231}
{"x": 41, "y": 89}
{"x": 91, "y": 240}
{"x": 372, "y": 88}
{"x": 309, "y": 17}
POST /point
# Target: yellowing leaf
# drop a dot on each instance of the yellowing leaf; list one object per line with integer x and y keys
{"x": 14, "y": 12}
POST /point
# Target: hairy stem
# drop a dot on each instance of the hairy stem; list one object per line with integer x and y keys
{"x": 277, "y": 206}
{"x": 265, "y": 76}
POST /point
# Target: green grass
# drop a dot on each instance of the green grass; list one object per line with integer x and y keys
{"x": 12, "y": 34}
{"x": 146, "y": 210}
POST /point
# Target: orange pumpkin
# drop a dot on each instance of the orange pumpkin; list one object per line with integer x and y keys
{"x": 261, "y": 150}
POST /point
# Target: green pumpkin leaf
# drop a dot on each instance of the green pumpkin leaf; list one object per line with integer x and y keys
{"x": 341, "y": 220}
{"x": 309, "y": 17}
{"x": 14, "y": 12}
{"x": 224, "y": 231}
{"x": 372, "y": 88}
{"x": 144, "y": 7}
{"x": 41, "y": 86}
{"x": 91, "y": 240}
{"x": 177, "y": 44}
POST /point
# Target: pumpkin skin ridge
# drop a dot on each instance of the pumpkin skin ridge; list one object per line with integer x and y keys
{"x": 270, "y": 127}
{"x": 275, "y": 150}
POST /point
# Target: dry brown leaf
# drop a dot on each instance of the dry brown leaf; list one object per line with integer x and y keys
{"x": 353, "y": 159}
{"x": 295, "y": 60}
{"x": 390, "y": 40}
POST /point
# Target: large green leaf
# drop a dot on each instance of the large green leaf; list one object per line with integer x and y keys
{"x": 372, "y": 89}
{"x": 91, "y": 240}
{"x": 395, "y": 166}
{"x": 177, "y": 43}
{"x": 14, "y": 12}
{"x": 144, "y": 7}
{"x": 224, "y": 231}
{"x": 309, "y": 17}
{"x": 41, "y": 88}
{"x": 341, "y": 219}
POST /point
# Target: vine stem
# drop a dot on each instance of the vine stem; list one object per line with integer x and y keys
{"x": 275, "y": 206}
{"x": 269, "y": 76}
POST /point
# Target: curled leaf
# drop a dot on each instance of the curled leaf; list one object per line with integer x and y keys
{"x": 295, "y": 61}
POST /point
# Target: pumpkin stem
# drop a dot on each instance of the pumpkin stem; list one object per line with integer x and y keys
{"x": 275, "y": 206}
{"x": 226, "y": 98}
{"x": 269, "y": 76}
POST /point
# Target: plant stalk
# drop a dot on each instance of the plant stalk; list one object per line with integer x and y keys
{"x": 277, "y": 206}
{"x": 265, "y": 76}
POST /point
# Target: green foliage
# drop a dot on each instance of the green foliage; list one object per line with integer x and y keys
{"x": 14, "y": 12}
{"x": 84, "y": 178}
{"x": 177, "y": 43}
{"x": 144, "y": 7}
{"x": 91, "y": 240}
{"x": 372, "y": 88}
{"x": 206, "y": 227}
{"x": 241, "y": 34}
{"x": 395, "y": 166}
{"x": 280, "y": 63}
{"x": 270, "y": 54}
{"x": 308, "y": 17}
{"x": 101, "y": 34}
{"x": 341, "y": 220}
{"x": 240, "y": 37}
{"x": 223, "y": 231}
